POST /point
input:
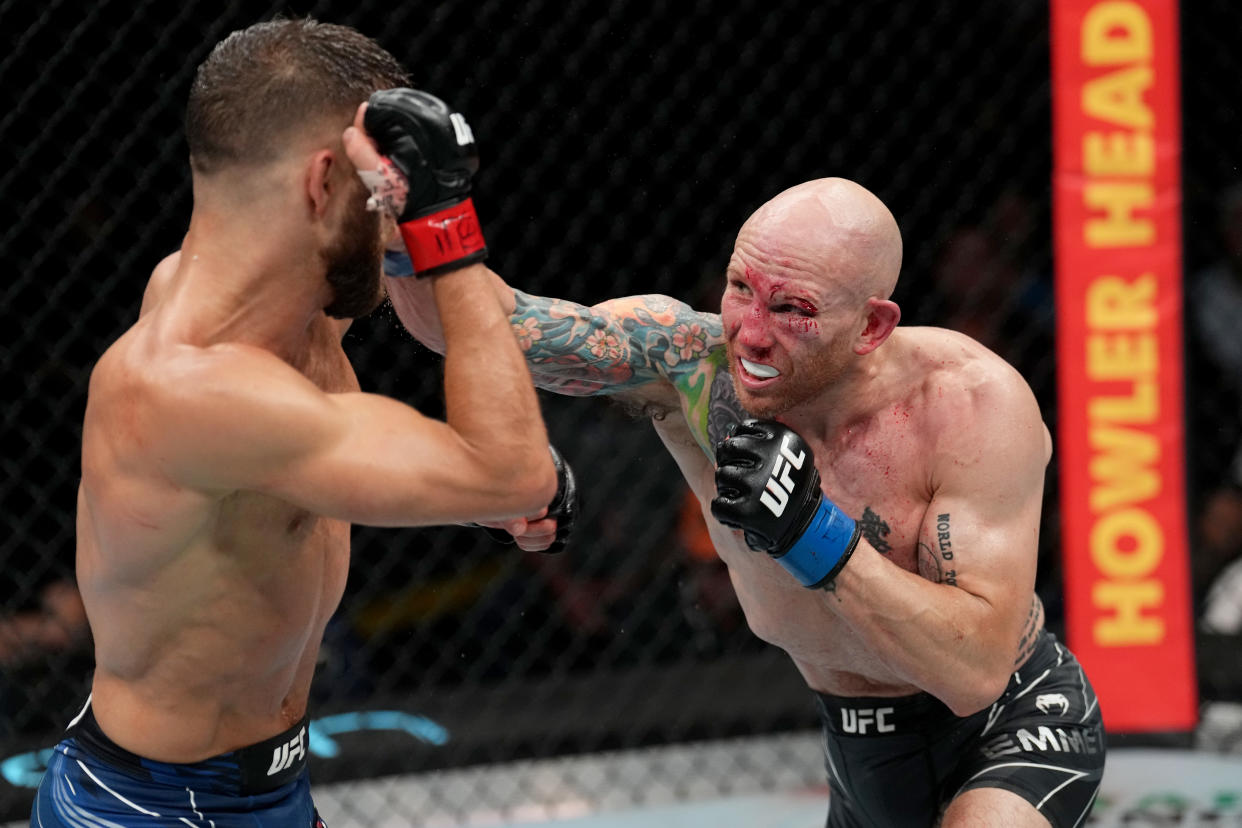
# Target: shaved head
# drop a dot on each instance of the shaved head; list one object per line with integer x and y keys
{"x": 839, "y": 223}
{"x": 807, "y": 293}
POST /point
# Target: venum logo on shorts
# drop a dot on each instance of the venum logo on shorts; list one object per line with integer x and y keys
{"x": 287, "y": 754}
{"x": 780, "y": 485}
{"x": 859, "y": 720}
{"x": 1052, "y": 703}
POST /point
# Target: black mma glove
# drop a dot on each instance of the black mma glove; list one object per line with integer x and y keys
{"x": 564, "y": 507}
{"x": 767, "y": 486}
{"x": 433, "y": 147}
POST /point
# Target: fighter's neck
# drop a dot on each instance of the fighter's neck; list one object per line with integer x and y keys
{"x": 234, "y": 284}
{"x": 866, "y": 391}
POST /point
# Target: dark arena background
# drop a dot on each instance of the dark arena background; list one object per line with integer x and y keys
{"x": 623, "y": 143}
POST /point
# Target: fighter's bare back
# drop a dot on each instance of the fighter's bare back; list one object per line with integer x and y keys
{"x": 216, "y": 602}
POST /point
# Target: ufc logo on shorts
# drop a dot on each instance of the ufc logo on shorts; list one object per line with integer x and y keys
{"x": 859, "y": 720}
{"x": 780, "y": 486}
{"x": 292, "y": 751}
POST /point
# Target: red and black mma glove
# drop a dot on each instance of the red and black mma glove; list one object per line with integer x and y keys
{"x": 433, "y": 147}
{"x": 767, "y": 486}
{"x": 563, "y": 508}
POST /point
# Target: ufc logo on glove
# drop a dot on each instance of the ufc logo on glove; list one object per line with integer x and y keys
{"x": 780, "y": 486}
{"x": 781, "y": 511}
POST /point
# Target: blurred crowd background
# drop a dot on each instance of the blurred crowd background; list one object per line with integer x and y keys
{"x": 622, "y": 143}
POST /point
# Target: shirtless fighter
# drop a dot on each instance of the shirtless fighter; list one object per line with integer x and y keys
{"x": 886, "y": 505}
{"x": 227, "y": 448}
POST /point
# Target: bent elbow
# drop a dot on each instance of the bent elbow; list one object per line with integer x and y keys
{"x": 535, "y": 484}
{"x": 983, "y": 693}
{"x": 524, "y": 480}
{"x": 967, "y": 706}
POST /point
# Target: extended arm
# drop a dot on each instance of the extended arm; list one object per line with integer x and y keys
{"x": 648, "y": 342}
{"x": 640, "y": 346}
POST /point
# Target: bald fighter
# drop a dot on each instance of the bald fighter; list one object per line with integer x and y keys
{"x": 226, "y": 447}
{"x": 875, "y": 491}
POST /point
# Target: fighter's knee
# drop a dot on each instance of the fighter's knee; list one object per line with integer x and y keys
{"x": 989, "y": 807}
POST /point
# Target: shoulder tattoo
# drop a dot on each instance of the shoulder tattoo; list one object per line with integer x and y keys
{"x": 937, "y": 561}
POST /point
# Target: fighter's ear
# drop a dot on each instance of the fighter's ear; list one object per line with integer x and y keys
{"x": 882, "y": 316}
{"x": 319, "y": 183}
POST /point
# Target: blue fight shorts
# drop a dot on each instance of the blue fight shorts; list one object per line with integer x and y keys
{"x": 91, "y": 782}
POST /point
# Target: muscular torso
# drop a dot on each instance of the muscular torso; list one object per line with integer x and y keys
{"x": 878, "y": 471}
{"x": 207, "y": 608}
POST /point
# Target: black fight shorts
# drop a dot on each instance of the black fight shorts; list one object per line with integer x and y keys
{"x": 896, "y": 762}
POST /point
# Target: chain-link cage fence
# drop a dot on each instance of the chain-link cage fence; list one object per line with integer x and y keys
{"x": 1213, "y": 278}
{"x": 623, "y": 144}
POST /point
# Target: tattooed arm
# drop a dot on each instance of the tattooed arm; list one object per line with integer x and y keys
{"x": 645, "y": 347}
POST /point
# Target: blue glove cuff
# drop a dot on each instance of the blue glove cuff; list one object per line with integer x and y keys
{"x": 822, "y": 550}
{"x": 397, "y": 264}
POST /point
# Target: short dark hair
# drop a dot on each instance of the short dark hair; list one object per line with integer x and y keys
{"x": 261, "y": 84}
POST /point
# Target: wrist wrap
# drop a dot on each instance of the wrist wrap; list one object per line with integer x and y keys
{"x": 823, "y": 549}
{"x": 397, "y": 264}
{"x": 445, "y": 239}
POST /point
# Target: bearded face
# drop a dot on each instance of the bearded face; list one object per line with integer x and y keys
{"x": 355, "y": 262}
{"x": 805, "y": 373}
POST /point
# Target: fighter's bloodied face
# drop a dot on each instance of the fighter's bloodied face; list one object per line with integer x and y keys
{"x": 355, "y": 260}
{"x": 787, "y": 332}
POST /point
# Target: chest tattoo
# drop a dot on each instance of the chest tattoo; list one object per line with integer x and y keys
{"x": 875, "y": 530}
{"x": 724, "y": 408}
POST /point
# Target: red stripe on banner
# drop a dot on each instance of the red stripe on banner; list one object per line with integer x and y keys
{"x": 1117, "y": 207}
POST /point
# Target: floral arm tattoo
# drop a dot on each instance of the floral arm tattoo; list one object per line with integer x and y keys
{"x": 619, "y": 345}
